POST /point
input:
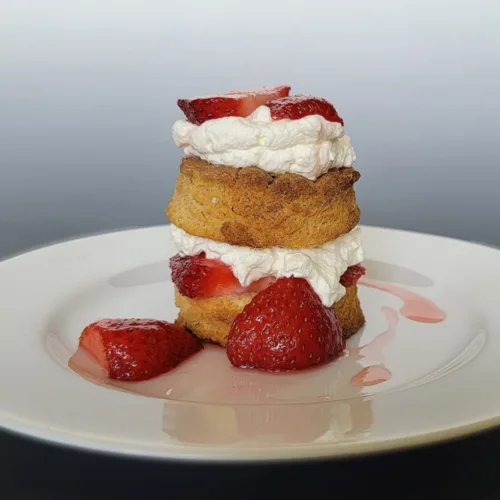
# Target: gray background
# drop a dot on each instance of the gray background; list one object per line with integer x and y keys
{"x": 88, "y": 95}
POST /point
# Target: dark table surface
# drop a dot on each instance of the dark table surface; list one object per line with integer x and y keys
{"x": 88, "y": 99}
{"x": 463, "y": 469}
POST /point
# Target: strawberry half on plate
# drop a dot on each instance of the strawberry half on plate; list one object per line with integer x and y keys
{"x": 138, "y": 349}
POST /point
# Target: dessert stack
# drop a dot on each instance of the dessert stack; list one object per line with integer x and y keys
{"x": 264, "y": 217}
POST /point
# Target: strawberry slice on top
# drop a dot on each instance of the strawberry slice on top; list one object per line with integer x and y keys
{"x": 235, "y": 103}
{"x": 138, "y": 349}
{"x": 198, "y": 277}
{"x": 298, "y": 106}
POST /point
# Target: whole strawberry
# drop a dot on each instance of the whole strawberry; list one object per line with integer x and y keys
{"x": 285, "y": 327}
{"x": 138, "y": 349}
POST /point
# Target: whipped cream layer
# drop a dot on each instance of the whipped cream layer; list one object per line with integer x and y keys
{"x": 309, "y": 146}
{"x": 322, "y": 266}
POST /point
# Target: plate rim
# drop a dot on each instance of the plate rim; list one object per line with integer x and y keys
{"x": 330, "y": 451}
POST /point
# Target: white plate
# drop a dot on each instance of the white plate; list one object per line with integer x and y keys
{"x": 445, "y": 375}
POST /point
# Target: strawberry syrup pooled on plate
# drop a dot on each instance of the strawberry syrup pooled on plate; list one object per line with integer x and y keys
{"x": 374, "y": 349}
{"x": 415, "y": 307}
{"x": 375, "y": 374}
{"x": 371, "y": 375}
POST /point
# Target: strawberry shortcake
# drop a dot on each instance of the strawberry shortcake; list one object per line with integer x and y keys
{"x": 265, "y": 221}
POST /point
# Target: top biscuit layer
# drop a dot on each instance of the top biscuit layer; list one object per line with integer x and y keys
{"x": 250, "y": 207}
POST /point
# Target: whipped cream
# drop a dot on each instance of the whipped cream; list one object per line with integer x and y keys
{"x": 309, "y": 146}
{"x": 322, "y": 266}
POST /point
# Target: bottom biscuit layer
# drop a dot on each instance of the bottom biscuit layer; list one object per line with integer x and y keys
{"x": 211, "y": 318}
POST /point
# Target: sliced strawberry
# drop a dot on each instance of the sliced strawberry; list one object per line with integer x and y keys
{"x": 285, "y": 327}
{"x": 198, "y": 276}
{"x": 138, "y": 349}
{"x": 298, "y": 106}
{"x": 235, "y": 103}
{"x": 259, "y": 285}
{"x": 352, "y": 275}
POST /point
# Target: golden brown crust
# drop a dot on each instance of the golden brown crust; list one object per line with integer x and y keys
{"x": 211, "y": 318}
{"x": 249, "y": 207}
{"x": 349, "y": 312}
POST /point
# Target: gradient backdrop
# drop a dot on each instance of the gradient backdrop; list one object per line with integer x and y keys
{"x": 88, "y": 95}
